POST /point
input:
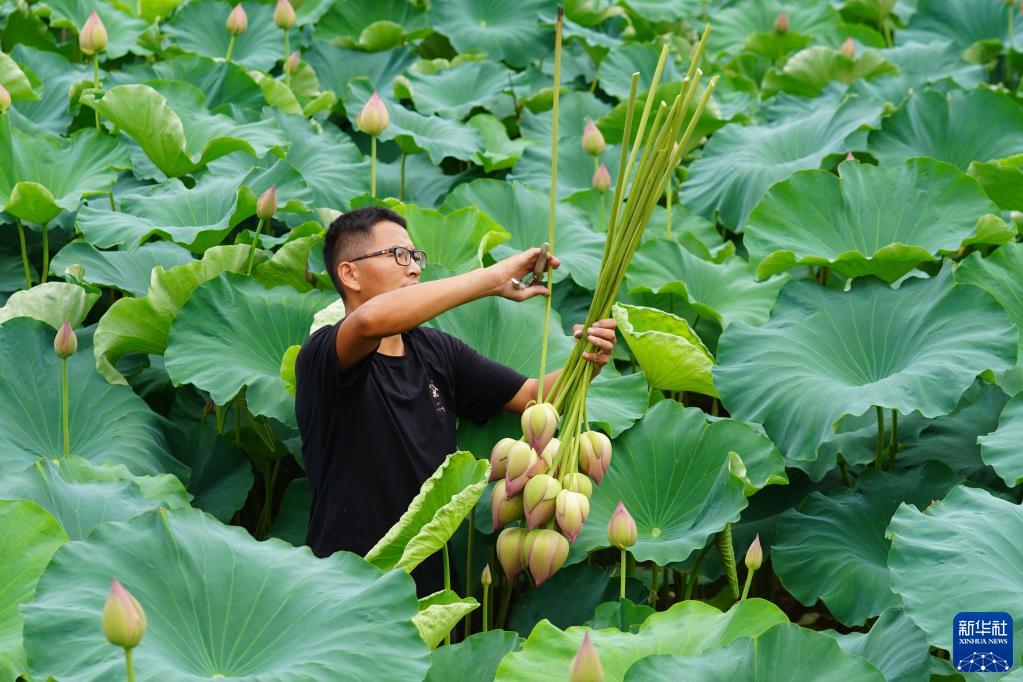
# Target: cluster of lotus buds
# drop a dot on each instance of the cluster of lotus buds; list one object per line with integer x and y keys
{"x": 528, "y": 487}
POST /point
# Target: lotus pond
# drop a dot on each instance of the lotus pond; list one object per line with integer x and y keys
{"x": 811, "y": 250}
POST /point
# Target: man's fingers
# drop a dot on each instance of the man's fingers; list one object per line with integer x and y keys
{"x": 600, "y": 343}
{"x": 606, "y": 323}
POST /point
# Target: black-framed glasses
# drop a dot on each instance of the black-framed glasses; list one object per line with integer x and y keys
{"x": 402, "y": 256}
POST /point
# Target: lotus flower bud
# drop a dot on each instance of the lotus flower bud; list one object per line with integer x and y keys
{"x": 65, "y": 343}
{"x": 593, "y": 139}
{"x": 292, "y": 62}
{"x": 284, "y": 14}
{"x": 849, "y": 48}
{"x": 485, "y": 578}
{"x": 550, "y": 453}
{"x": 578, "y": 483}
{"x": 594, "y": 454}
{"x": 237, "y": 20}
{"x": 781, "y": 23}
{"x": 373, "y": 118}
{"x": 539, "y": 498}
{"x": 586, "y": 664}
{"x": 499, "y": 457}
{"x": 92, "y": 39}
{"x": 547, "y": 554}
{"x": 504, "y": 509}
{"x": 511, "y": 551}
{"x": 124, "y": 621}
{"x": 571, "y": 510}
{"x": 754, "y": 555}
{"x": 601, "y": 179}
{"x": 539, "y": 421}
{"x": 850, "y": 157}
{"x": 521, "y": 459}
{"x": 5, "y": 99}
{"x": 267, "y": 204}
{"x": 621, "y": 529}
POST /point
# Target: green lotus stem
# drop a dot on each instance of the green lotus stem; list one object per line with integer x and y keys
{"x": 895, "y": 439}
{"x": 880, "y": 437}
{"x": 65, "y": 406}
{"x": 287, "y": 53}
{"x": 553, "y": 199}
{"x": 845, "y": 471}
{"x": 230, "y": 48}
{"x": 502, "y": 613}
{"x": 237, "y": 421}
{"x": 727, "y": 554}
{"x": 24, "y": 253}
{"x": 95, "y": 83}
{"x": 667, "y": 217}
{"x": 401, "y": 183}
{"x": 252, "y": 247}
{"x": 113, "y": 207}
{"x": 1012, "y": 13}
{"x": 447, "y": 583}
{"x": 886, "y": 27}
{"x": 621, "y": 582}
{"x": 603, "y": 211}
{"x": 46, "y": 255}
{"x": 654, "y": 575}
{"x": 468, "y": 571}
{"x": 129, "y": 665}
{"x": 745, "y": 587}
{"x": 373, "y": 166}
{"x": 219, "y": 412}
{"x": 486, "y": 606}
{"x": 695, "y": 572}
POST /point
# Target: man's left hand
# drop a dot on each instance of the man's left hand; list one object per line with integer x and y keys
{"x": 602, "y": 336}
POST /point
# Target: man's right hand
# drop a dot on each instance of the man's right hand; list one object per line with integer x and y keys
{"x": 517, "y": 266}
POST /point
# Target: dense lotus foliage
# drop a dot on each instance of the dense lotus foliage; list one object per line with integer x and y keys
{"x": 815, "y": 408}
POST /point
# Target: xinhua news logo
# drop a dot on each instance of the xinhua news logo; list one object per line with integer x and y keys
{"x": 982, "y": 641}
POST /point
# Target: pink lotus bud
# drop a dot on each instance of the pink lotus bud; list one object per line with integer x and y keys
{"x": 849, "y": 48}
{"x": 850, "y": 157}
{"x": 373, "y": 118}
{"x": 511, "y": 551}
{"x": 754, "y": 555}
{"x": 5, "y": 99}
{"x": 292, "y": 62}
{"x": 284, "y": 14}
{"x": 586, "y": 664}
{"x": 621, "y": 529}
{"x": 237, "y": 20}
{"x": 538, "y": 499}
{"x": 504, "y": 509}
{"x": 571, "y": 510}
{"x": 578, "y": 483}
{"x": 93, "y": 36}
{"x": 594, "y": 454}
{"x": 546, "y": 554}
{"x": 593, "y": 140}
{"x": 521, "y": 459}
{"x": 65, "y": 343}
{"x": 781, "y": 23}
{"x": 539, "y": 421}
{"x": 124, "y": 621}
{"x": 601, "y": 179}
{"x": 485, "y": 577}
{"x": 550, "y": 453}
{"x": 499, "y": 457}
{"x": 267, "y": 204}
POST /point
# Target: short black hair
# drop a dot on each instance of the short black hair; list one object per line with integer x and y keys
{"x": 349, "y": 232}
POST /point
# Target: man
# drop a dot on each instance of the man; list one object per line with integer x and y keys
{"x": 377, "y": 396}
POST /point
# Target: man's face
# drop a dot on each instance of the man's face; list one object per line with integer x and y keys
{"x": 380, "y": 274}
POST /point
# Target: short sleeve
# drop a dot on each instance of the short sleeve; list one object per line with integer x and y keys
{"x": 482, "y": 386}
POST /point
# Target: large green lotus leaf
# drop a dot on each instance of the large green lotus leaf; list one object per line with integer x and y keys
{"x": 434, "y": 513}
{"x": 524, "y": 212}
{"x": 123, "y": 30}
{"x": 174, "y": 128}
{"x": 613, "y": 123}
{"x": 425, "y": 183}
{"x": 669, "y": 352}
{"x": 573, "y": 110}
{"x": 232, "y": 333}
{"x": 484, "y": 649}
{"x": 140, "y": 325}
{"x": 935, "y": 576}
{"x": 784, "y": 652}
{"x": 725, "y": 292}
{"x": 1001, "y": 275}
{"x": 833, "y": 546}
{"x": 676, "y": 507}
{"x": 198, "y": 27}
{"x": 292, "y": 522}
{"x": 14, "y": 80}
{"x": 964, "y": 23}
{"x": 56, "y": 76}
{"x": 809, "y": 71}
{"x": 506, "y": 31}
{"x": 456, "y": 241}
{"x": 439, "y": 612}
{"x": 740, "y": 162}
{"x": 919, "y": 65}
{"x": 50, "y": 302}
{"x": 125, "y": 270}
{"x": 826, "y": 354}
{"x": 262, "y": 611}
{"x": 1000, "y": 448}
{"x": 329, "y": 163}
{"x": 289, "y": 264}
{"x": 106, "y": 423}
{"x": 358, "y": 24}
{"x": 575, "y": 167}
{"x": 751, "y": 27}
{"x": 687, "y": 628}
{"x": 569, "y": 597}
{"x": 30, "y": 188}
{"x": 337, "y": 66}
{"x": 438, "y": 137}
{"x": 28, "y": 538}
{"x": 960, "y": 127}
{"x": 894, "y": 644}
{"x": 499, "y": 151}
{"x": 616, "y": 70}
{"x": 454, "y": 92}
{"x": 226, "y": 85}
{"x": 871, "y": 220}
{"x": 1002, "y": 179}
{"x": 221, "y": 475}
{"x": 81, "y": 495}
{"x": 614, "y": 404}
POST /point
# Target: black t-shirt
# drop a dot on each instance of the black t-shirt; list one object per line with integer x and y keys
{"x": 370, "y": 441}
